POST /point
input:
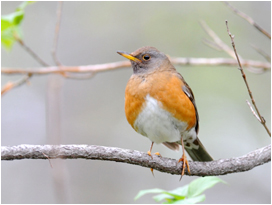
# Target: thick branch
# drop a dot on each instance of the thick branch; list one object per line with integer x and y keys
{"x": 162, "y": 164}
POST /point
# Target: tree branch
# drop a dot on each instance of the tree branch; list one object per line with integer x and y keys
{"x": 31, "y": 52}
{"x": 248, "y": 19}
{"x": 11, "y": 85}
{"x": 263, "y": 122}
{"x": 262, "y": 53}
{"x": 122, "y": 64}
{"x": 54, "y": 50}
{"x": 90, "y": 70}
{"x": 220, "y": 62}
{"x": 218, "y": 44}
{"x": 162, "y": 164}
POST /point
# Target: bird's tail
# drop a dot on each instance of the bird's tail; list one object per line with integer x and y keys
{"x": 199, "y": 154}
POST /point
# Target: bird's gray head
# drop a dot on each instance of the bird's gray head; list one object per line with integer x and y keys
{"x": 146, "y": 59}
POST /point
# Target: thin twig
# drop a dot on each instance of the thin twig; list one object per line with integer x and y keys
{"x": 82, "y": 76}
{"x": 252, "y": 110}
{"x": 262, "y": 53}
{"x": 32, "y": 53}
{"x": 260, "y": 66}
{"x": 162, "y": 164}
{"x": 11, "y": 85}
{"x": 245, "y": 80}
{"x": 54, "y": 50}
{"x": 122, "y": 64}
{"x": 248, "y": 19}
{"x": 48, "y": 159}
{"x": 218, "y": 42}
{"x": 211, "y": 44}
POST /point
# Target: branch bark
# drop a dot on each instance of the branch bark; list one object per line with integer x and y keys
{"x": 162, "y": 164}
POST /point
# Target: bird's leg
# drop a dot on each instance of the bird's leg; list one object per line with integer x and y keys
{"x": 149, "y": 153}
{"x": 184, "y": 159}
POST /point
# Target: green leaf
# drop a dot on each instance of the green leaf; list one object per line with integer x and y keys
{"x": 192, "y": 200}
{"x": 181, "y": 191}
{"x": 10, "y": 30}
{"x": 188, "y": 194}
{"x": 10, "y": 26}
{"x": 174, "y": 196}
{"x": 14, "y": 18}
{"x": 5, "y": 24}
{"x": 6, "y": 39}
{"x": 199, "y": 185}
{"x": 10, "y": 35}
{"x": 168, "y": 201}
{"x": 148, "y": 191}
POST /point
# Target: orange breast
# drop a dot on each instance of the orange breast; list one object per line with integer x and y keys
{"x": 166, "y": 88}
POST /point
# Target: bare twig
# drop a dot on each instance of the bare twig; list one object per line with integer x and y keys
{"x": 48, "y": 159}
{"x": 11, "y": 85}
{"x": 245, "y": 80}
{"x": 54, "y": 50}
{"x": 122, "y": 64}
{"x": 32, "y": 53}
{"x": 82, "y": 76}
{"x": 217, "y": 41}
{"x": 73, "y": 69}
{"x": 261, "y": 66}
{"x": 211, "y": 44}
{"x": 162, "y": 164}
{"x": 261, "y": 52}
{"x": 218, "y": 44}
{"x": 252, "y": 110}
{"x": 248, "y": 19}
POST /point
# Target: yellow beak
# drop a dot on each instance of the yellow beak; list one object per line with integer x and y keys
{"x": 128, "y": 56}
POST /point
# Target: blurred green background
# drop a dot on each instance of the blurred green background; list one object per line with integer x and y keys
{"x": 55, "y": 110}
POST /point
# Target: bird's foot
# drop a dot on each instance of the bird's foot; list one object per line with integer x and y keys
{"x": 156, "y": 153}
{"x": 185, "y": 164}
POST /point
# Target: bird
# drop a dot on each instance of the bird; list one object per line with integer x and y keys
{"x": 160, "y": 105}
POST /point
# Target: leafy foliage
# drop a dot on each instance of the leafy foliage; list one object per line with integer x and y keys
{"x": 10, "y": 26}
{"x": 188, "y": 194}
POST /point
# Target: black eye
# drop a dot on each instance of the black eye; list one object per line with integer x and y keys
{"x": 146, "y": 57}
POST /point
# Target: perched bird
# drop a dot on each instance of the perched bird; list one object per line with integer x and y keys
{"x": 160, "y": 105}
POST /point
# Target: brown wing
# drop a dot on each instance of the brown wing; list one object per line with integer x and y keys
{"x": 187, "y": 90}
{"x": 201, "y": 153}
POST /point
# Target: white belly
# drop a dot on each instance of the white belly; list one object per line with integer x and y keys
{"x": 159, "y": 125}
